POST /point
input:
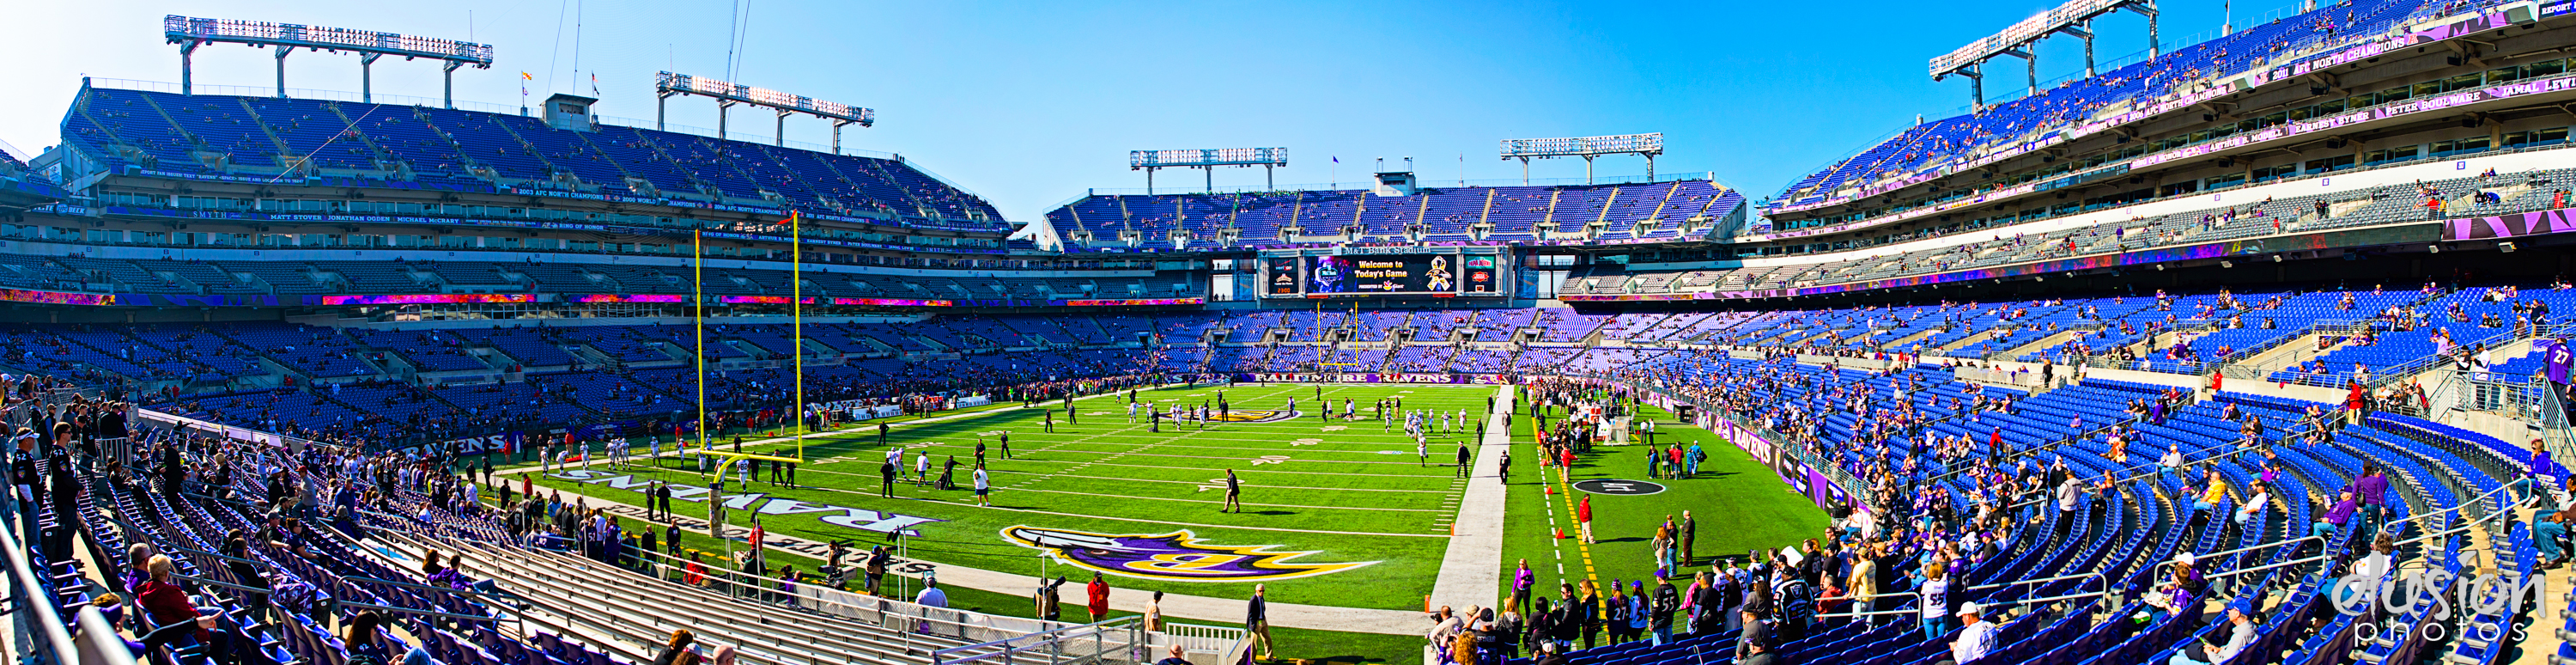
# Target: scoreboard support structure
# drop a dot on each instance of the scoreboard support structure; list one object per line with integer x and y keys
{"x": 2075, "y": 18}
{"x": 189, "y": 33}
{"x": 1587, "y": 147}
{"x": 1150, "y": 161}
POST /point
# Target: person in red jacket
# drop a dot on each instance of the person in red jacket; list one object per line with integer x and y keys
{"x": 1098, "y": 593}
{"x": 165, "y": 603}
{"x": 1583, "y": 517}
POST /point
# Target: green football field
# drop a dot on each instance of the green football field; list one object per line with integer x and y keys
{"x": 1739, "y": 504}
{"x": 1341, "y": 512}
{"x": 1371, "y": 516}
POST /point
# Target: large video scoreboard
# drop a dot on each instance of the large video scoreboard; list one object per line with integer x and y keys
{"x": 1412, "y": 273}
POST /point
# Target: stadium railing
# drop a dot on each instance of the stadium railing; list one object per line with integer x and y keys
{"x": 1108, "y": 641}
{"x": 896, "y": 616}
{"x": 41, "y": 635}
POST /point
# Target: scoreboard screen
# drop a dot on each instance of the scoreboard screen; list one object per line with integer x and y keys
{"x": 1437, "y": 275}
{"x": 1382, "y": 274}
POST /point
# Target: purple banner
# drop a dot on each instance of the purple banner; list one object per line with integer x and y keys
{"x": 1829, "y": 496}
{"x": 2509, "y": 226}
{"x": 56, "y": 297}
{"x": 429, "y": 299}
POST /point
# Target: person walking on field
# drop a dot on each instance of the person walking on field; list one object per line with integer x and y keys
{"x": 983, "y": 487}
{"x": 889, "y": 470}
{"x": 1233, "y": 493}
{"x": 1256, "y": 619}
{"x": 1464, "y": 456}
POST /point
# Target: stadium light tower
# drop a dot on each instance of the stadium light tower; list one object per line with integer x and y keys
{"x": 2073, "y": 18}
{"x": 190, "y": 33}
{"x": 666, "y": 85}
{"x": 1152, "y": 160}
{"x": 1586, "y": 147}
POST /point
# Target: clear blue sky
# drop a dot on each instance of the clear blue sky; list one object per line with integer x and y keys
{"x": 1031, "y": 103}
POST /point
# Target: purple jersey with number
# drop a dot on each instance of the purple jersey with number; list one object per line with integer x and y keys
{"x": 2555, "y": 358}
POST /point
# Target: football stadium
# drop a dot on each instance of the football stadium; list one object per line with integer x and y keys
{"x": 2238, "y": 349}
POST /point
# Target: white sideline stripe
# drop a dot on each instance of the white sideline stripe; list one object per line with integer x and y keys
{"x": 1471, "y": 571}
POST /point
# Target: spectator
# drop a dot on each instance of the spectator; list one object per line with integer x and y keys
{"x": 1256, "y": 620}
{"x": 676, "y": 650}
{"x": 1976, "y": 637}
{"x": 1097, "y": 596}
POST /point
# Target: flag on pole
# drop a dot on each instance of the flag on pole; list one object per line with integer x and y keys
{"x": 594, "y": 84}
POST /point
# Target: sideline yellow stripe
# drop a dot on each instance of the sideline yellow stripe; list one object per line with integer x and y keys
{"x": 1564, "y": 488}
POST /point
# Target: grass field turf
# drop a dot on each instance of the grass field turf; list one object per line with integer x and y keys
{"x": 1292, "y": 642}
{"x": 1739, "y": 504}
{"x": 1348, "y": 491}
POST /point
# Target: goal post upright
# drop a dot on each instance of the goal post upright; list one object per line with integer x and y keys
{"x": 796, "y": 314}
{"x": 698, "y": 324}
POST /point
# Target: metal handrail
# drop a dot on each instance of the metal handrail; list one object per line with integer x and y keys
{"x": 617, "y": 639}
{"x": 487, "y": 597}
{"x": 2496, "y": 341}
{"x": 955, "y": 624}
{"x": 420, "y": 612}
{"x": 2060, "y": 578}
{"x": 2463, "y": 528}
{"x": 2187, "y": 463}
{"x": 2464, "y": 504}
{"x": 30, "y": 592}
{"x": 1004, "y": 648}
{"x": 99, "y": 643}
{"x": 2158, "y": 572}
{"x": 223, "y": 557}
{"x": 2050, "y": 446}
{"x": 1984, "y": 603}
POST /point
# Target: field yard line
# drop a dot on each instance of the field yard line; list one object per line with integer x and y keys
{"x": 1471, "y": 570}
{"x": 1390, "y": 445}
{"x": 1262, "y": 470}
{"x": 1077, "y": 441}
{"x": 1252, "y": 486}
{"x": 1417, "y": 462}
{"x": 1564, "y": 488}
{"x": 837, "y": 490}
{"x": 1247, "y": 503}
{"x": 854, "y": 433}
{"x": 999, "y": 472}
